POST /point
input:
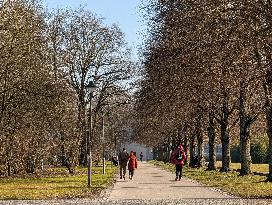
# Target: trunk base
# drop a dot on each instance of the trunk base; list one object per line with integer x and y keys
{"x": 269, "y": 178}
{"x": 244, "y": 173}
{"x": 224, "y": 169}
{"x": 210, "y": 169}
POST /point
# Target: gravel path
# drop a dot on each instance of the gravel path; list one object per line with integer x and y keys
{"x": 154, "y": 183}
{"x": 154, "y": 186}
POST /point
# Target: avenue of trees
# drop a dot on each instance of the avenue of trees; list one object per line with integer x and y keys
{"x": 207, "y": 77}
{"x": 46, "y": 61}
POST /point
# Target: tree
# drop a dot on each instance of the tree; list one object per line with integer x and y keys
{"x": 89, "y": 51}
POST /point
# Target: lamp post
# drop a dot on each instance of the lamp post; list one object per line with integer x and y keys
{"x": 91, "y": 87}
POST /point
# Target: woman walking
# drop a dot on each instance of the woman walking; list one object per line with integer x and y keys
{"x": 178, "y": 158}
{"x": 132, "y": 164}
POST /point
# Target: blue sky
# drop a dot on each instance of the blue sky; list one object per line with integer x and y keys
{"x": 124, "y": 13}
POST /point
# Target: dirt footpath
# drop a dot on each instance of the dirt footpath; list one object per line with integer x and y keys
{"x": 151, "y": 182}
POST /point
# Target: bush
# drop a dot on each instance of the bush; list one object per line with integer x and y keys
{"x": 258, "y": 152}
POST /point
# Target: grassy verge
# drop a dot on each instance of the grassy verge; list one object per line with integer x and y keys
{"x": 58, "y": 186}
{"x": 231, "y": 182}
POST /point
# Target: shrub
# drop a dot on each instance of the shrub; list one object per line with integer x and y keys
{"x": 258, "y": 152}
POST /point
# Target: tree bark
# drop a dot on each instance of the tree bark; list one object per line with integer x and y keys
{"x": 186, "y": 144}
{"x": 269, "y": 134}
{"x": 82, "y": 132}
{"x": 160, "y": 153}
{"x": 211, "y": 136}
{"x": 192, "y": 146}
{"x": 179, "y": 136}
{"x": 245, "y": 156}
{"x": 267, "y": 85}
{"x": 225, "y": 139}
{"x": 225, "y": 148}
{"x": 30, "y": 163}
{"x": 9, "y": 168}
{"x": 245, "y": 123}
{"x": 200, "y": 151}
{"x": 200, "y": 146}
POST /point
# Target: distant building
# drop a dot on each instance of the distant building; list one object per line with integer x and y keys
{"x": 138, "y": 148}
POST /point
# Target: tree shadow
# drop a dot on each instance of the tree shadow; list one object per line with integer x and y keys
{"x": 253, "y": 173}
{"x": 188, "y": 186}
{"x": 129, "y": 187}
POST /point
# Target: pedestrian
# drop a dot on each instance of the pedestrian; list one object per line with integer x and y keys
{"x": 132, "y": 164}
{"x": 141, "y": 156}
{"x": 178, "y": 157}
{"x": 123, "y": 159}
{"x": 114, "y": 160}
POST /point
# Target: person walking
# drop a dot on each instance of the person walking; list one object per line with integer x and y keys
{"x": 141, "y": 156}
{"x": 178, "y": 157}
{"x": 123, "y": 159}
{"x": 132, "y": 164}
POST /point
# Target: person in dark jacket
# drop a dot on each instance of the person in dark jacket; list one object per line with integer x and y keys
{"x": 132, "y": 164}
{"x": 123, "y": 159}
{"x": 141, "y": 156}
{"x": 178, "y": 157}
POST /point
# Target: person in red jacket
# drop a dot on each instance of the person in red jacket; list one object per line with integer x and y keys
{"x": 132, "y": 164}
{"x": 178, "y": 158}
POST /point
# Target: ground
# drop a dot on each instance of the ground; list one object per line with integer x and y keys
{"x": 152, "y": 185}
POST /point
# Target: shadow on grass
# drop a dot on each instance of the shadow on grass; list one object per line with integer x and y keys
{"x": 194, "y": 186}
{"x": 50, "y": 188}
{"x": 11, "y": 198}
{"x": 254, "y": 173}
{"x": 258, "y": 198}
{"x": 154, "y": 183}
{"x": 60, "y": 181}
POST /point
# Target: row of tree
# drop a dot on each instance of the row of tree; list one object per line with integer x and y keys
{"x": 207, "y": 73}
{"x": 46, "y": 61}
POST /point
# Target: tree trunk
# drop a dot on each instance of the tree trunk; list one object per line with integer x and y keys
{"x": 30, "y": 164}
{"x": 192, "y": 146}
{"x": 269, "y": 134}
{"x": 82, "y": 134}
{"x": 9, "y": 168}
{"x": 268, "y": 92}
{"x": 211, "y": 136}
{"x": 160, "y": 153}
{"x": 225, "y": 148}
{"x": 200, "y": 146}
{"x": 63, "y": 157}
{"x": 245, "y": 156}
{"x": 244, "y": 134}
{"x": 186, "y": 144}
{"x": 179, "y": 136}
{"x": 200, "y": 150}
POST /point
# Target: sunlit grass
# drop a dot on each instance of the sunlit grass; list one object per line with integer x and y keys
{"x": 231, "y": 182}
{"x": 254, "y": 167}
{"x": 67, "y": 186}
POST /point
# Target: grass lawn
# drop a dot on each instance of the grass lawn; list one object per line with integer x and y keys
{"x": 57, "y": 186}
{"x": 260, "y": 168}
{"x": 231, "y": 182}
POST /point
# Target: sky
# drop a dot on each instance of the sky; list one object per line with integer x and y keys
{"x": 125, "y": 13}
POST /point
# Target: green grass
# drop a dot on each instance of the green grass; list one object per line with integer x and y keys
{"x": 231, "y": 182}
{"x": 58, "y": 186}
{"x": 262, "y": 168}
